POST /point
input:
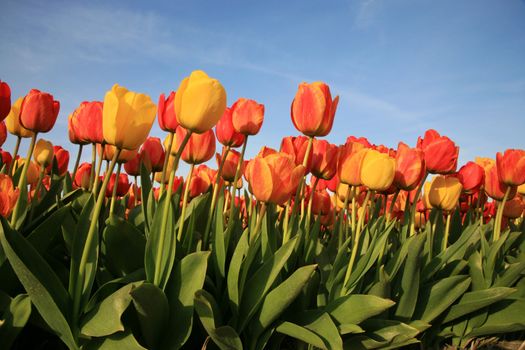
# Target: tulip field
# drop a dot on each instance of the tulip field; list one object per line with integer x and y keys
{"x": 311, "y": 246}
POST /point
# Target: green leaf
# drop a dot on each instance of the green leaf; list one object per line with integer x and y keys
{"x": 505, "y": 316}
{"x": 117, "y": 341}
{"x": 355, "y": 308}
{"x": 145, "y": 190}
{"x": 47, "y": 231}
{"x": 383, "y": 334}
{"x": 43, "y": 286}
{"x": 325, "y": 327}
{"x": 262, "y": 281}
{"x": 105, "y": 318}
{"x": 152, "y": 310}
{"x": 301, "y": 333}
{"x": 240, "y": 252}
{"x": 14, "y": 319}
{"x": 473, "y": 301}
{"x": 437, "y": 297}
{"x": 511, "y": 275}
{"x": 187, "y": 277}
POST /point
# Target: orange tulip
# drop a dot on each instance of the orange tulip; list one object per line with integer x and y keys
{"x": 471, "y": 176}
{"x": 225, "y": 131}
{"x": 313, "y": 109}
{"x": 32, "y": 170}
{"x": 273, "y": 178}
{"x": 321, "y": 203}
{"x": 514, "y": 208}
{"x": 8, "y": 195}
{"x": 199, "y": 149}
{"x": 511, "y": 167}
{"x": 39, "y": 111}
{"x": 324, "y": 159}
{"x": 201, "y": 181}
{"x": 83, "y": 176}
{"x": 362, "y": 140}
{"x": 494, "y": 187}
{"x": 62, "y": 158}
{"x": 85, "y": 123}
{"x": 296, "y": 146}
{"x": 124, "y": 156}
{"x": 349, "y": 165}
{"x": 247, "y": 116}
{"x": 5, "y": 100}
{"x": 5, "y": 159}
{"x": 166, "y": 112}
{"x": 153, "y": 154}
{"x": 230, "y": 165}
{"x": 410, "y": 167}
{"x": 441, "y": 153}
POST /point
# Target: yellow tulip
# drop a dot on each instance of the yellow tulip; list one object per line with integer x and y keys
{"x": 200, "y": 102}
{"x": 444, "y": 192}
{"x": 426, "y": 192}
{"x": 43, "y": 153}
{"x": 127, "y": 117}
{"x": 521, "y": 189}
{"x": 12, "y": 121}
{"x": 377, "y": 170}
{"x": 33, "y": 171}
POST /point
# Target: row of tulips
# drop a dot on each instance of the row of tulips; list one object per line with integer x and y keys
{"x": 313, "y": 244}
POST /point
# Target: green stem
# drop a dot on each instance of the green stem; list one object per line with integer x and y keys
{"x": 23, "y": 180}
{"x": 167, "y": 206}
{"x": 99, "y": 166}
{"x": 80, "y": 282}
{"x": 499, "y": 215}
{"x": 114, "y": 192}
{"x": 262, "y": 212}
{"x": 93, "y": 165}
{"x": 286, "y": 220}
{"x": 414, "y": 205}
{"x": 185, "y": 203}
{"x": 447, "y": 228}
{"x": 236, "y": 178}
{"x": 309, "y": 212}
{"x": 354, "y": 209}
{"x": 166, "y": 160}
{"x": 343, "y": 220}
{"x": 34, "y": 199}
{"x": 298, "y": 193}
{"x": 77, "y": 162}
{"x": 15, "y": 153}
{"x": 392, "y": 205}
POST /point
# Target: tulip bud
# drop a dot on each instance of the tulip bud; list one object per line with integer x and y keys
{"x": 166, "y": 112}
{"x": 127, "y": 118}
{"x": 39, "y": 111}
{"x": 225, "y": 131}
{"x": 471, "y": 176}
{"x": 324, "y": 159}
{"x": 5, "y": 100}
{"x": 321, "y": 204}
{"x": 200, "y": 181}
{"x": 247, "y": 116}
{"x": 83, "y": 176}
{"x": 441, "y": 153}
{"x": 12, "y": 121}
{"x": 511, "y": 167}
{"x": 444, "y": 192}
{"x": 521, "y": 189}
{"x": 43, "y": 153}
{"x": 377, "y": 170}
{"x": 410, "y": 167}
{"x": 313, "y": 109}
{"x": 8, "y": 195}
{"x": 200, "y": 147}
{"x": 362, "y": 140}
{"x": 200, "y": 102}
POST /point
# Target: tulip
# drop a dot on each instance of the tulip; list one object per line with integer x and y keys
{"x": 349, "y": 164}
{"x": 200, "y": 102}
{"x": 12, "y": 121}
{"x": 247, "y": 116}
{"x": 200, "y": 181}
{"x": 132, "y": 166}
{"x": 273, "y": 178}
{"x": 3, "y": 133}
{"x": 32, "y": 170}
{"x": 495, "y": 188}
{"x": 313, "y": 109}
{"x": 8, "y": 195}
{"x": 166, "y": 113}
{"x": 123, "y": 157}
{"x": 86, "y": 123}
{"x": 410, "y": 167}
{"x": 485, "y": 163}
{"x": 122, "y": 185}
{"x": 472, "y": 177}
{"x": 5, "y": 100}
{"x": 521, "y": 189}
{"x": 321, "y": 204}
{"x": 200, "y": 147}
{"x": 62, "y": 157}
{"x": 324, "y": 159}
{"x": 297, "y": 147}
{"x": 225, "y": 131}
{"x": 511, "y": 167}
{"x": 43, "y": 153}
{"x": 444, "y": 192}
{"x": 39, "y": 111}
{"x": 5, "y": 159}
{"x": 441, "y": 153}
{"x": 426, "y": 193}
{"x": 229, "y": 167}
{"x": 377, "y": 170}
{"x": 362, "y": 140}
{"x": 514, "y": 208}
{"x": 127, "y": 118}
{"x": 152, "y": 153}
{"x": 83, "y": 176}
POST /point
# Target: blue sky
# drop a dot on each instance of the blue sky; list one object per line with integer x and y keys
{"x": 399, "y": 66}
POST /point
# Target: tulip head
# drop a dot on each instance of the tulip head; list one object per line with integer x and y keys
{"x": 5, "y": 159}
{"x": 351, "y": 156}
{"x": 200, "y": 102}
{"x": 127, "y": 117}
{"x": 166, "y": 112}
{"x": 377, "y": 170}
{"x": 472, "y": 177}
{"x": 494, "y": 187}
{"x": 225, "y": 131}
{"x": 441, "y": 153}
{"x": 12, "y": 121}
{"x": 313, "y": 109}
{"x": 85, "y": 123}
{"x": 229, "y": 167}
{"x": 132, "y": 166}
{"x": 83, "y": 176}
{"x": 514, "y": 208}
{"x": 324, "y": 159}
{"x": 5, "y": 100}
{"x": 39, "y": 111}
{"x": 32, "y": 170}
{"x": 8, "y": 195}
{"x": 296, "y": 147}
{"x": 200, "y": 147}
{"x": 122, "y": 185}
{"x": 3, "y": 133}
{"x": 247, "y": 116}
{"x": 444, "y": 192}
{"x": 511, "y": 167}
{"x": 410, "y": 167}
{"x": 43, "y": 153}
{"x": 62, "y": 157}
{"x": 153, "y": 154}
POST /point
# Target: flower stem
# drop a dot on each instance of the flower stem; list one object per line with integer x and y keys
{"x": 236, "y": 178}
{"x": 343, "y": 220}
{"x": 99, "y": 166}
{"x": 166, "y": 159}
{"x": 447, "y": 228}
{"x": 185, "y": 203}
{"x": 114, "y": 192}
{"x": 15, "y": 153}
{"x": 309, "y": 212}
{"x": 414, "y": 205}
{"x": 23, "y": 178}
{"x": 93, "y": 165}
{"x": 77, "y": 161}
{"x": 499, "y": 215}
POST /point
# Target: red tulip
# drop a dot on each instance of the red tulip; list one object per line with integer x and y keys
{"x": 324, "y": 159}
{"x": 362, "y": 140}
{"x": 199, "y": 149}
{"x": 3, "y": 133}
{"x": 514, "y": 208}
{"x": 441, "y": 153}
{"x": 247, "y": 116}
{"x": 8, "y": 195}
{"x": 39, "y": 111}
{"x": 153, "y": 154}
{"x": 62, "y": 157}
{"x": 5, "y": 100}
{"x": 226, "y": 133}
{"x": 86, "y": 123}
{"x": 5, "y": 158}
{"x": 494, "y": 187}
{"x": 410, "y": 167}
{"x": 230, "y": 165}
{"x": 132, "y": 167}
{"x": 296, "y": 147}
{"x": 471, "y": 176}
{"x": 166, "y": 112}
{"x": 201, "y": 181}
{"x": 321, "y": 203}
{"x": 511, "y": 167}
{"x": 122, "y": 185}
{"x": 83, "y": 176}
{"x": 313, "y": 109}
